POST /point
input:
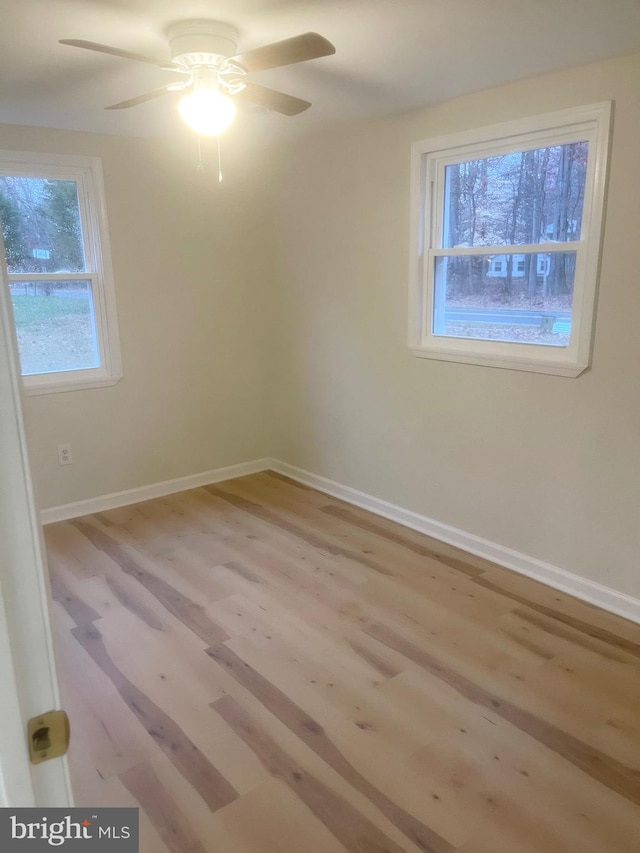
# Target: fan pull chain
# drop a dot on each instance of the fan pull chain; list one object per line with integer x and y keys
{"x": 200, "y": 166}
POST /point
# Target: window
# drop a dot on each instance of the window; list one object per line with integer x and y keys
{"x": 59, "y": 270}
{"x": 506, "y": 237}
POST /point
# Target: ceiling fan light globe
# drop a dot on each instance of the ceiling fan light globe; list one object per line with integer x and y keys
{"x": 207, "y": 111}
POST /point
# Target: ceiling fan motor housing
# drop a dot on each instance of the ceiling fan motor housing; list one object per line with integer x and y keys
{"x": 196, "y": 43}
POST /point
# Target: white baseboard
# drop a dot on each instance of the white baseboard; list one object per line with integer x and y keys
{"x": 155, "y": 490}
{"x": 594, "y": 593}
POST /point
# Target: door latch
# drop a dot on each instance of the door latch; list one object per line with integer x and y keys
{"x": 49, "y": 736}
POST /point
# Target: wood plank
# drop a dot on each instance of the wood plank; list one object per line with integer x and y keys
{"x": 271, "y": 819}
{"x": 214, "y": 789}
{"x": 284, "y": 479}
{"x": 78, "y": 610}
{"x": 617, "y": 639}
{"x": 614, "y": 774}
{"x": 297, "y": 530}
{"x": 314, "y": 736}
{"x": 66, "y": 544}
{"x": 401, "y": 538}
{"x": 174, "y": 830}
{"x": 350, "y": 524}
{"x": 523, "y": 790}
{"x": 133, "y": 603}
{"x": 386, "y": 668}
{"x": 188, "y": 612}
{"x": 333, "y": 699}
{"x": 350, "y": 827}
{"x": 105, "y": 735}
{"x": 243, "y": 571}
{"x": 572, "y": 633}
{"x": 412, "y": 569}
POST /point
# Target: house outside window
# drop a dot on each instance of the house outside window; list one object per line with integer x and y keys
{"x": 506, "y": 225}
{"x": 57, "y": 253}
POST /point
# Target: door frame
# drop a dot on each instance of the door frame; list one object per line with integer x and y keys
{"x": 27, "y": 661}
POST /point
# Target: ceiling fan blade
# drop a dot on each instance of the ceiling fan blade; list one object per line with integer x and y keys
{"x": 286, "y": 52}
{"x": 272, "y": 100}
{"x": 148, "y": 96}
{"x": 124, "y": 54}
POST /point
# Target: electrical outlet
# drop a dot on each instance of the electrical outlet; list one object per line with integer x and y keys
{"x": 64, "y": 454}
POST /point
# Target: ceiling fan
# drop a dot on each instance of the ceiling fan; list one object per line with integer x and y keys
{"x": 215, "y": 76}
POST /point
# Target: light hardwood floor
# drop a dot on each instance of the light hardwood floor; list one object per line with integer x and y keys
{"x": 264, "y": 669}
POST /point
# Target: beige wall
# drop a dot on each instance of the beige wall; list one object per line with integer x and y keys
{"x": 188, "y": 258}
{"x": 546, "y": 465}
{"x": 275, "y": 323}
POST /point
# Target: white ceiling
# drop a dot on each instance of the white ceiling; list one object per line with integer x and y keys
{"x": 391, "y": 55}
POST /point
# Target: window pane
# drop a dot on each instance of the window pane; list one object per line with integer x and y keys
{"x": 41, "y": 225}
{"x": 525, "y": 197}
{"x": 55, "y": 325}
{"x": 524, "y": 298}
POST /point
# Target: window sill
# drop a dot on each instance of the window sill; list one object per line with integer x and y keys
{"x": 73, "y": 381}
{"x": 554, "y": 368}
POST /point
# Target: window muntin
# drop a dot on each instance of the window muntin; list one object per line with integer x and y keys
{"x": 538, "y": 186}
{"x": 56, "y": 247}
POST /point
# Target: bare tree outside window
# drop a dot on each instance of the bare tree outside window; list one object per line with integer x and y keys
{"x": 522, "y": 199}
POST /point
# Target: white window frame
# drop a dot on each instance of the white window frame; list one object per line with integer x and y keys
{"x": 429, "y": 159}
{"x": 86, "y": 172}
